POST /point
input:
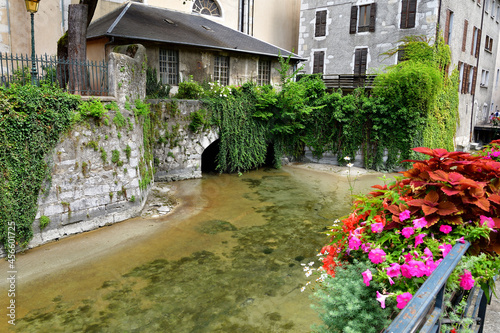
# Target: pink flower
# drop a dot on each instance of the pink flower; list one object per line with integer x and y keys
{"x": 419, "y": 223}
{"x": 445, "y": 248}
{"x": 461, "y": 240}
{"x": 445, "y": 229}
{"x": 417, "y": 268}
{"x": 431, "y": 266}
{"x": 466, "y": 280}
{"x": 408, "y": 257}
{"x": 354, "y": 243}
{"x": 403, "y": 299}
{"x": 419, "y": 239}
{"x": 381, "y": 298}
{"x": 404, "y": 215}
{"x": 377, "y": 227}
{"x": 394, "y": 270}
{"x": 366, "y": 247}
{"x": 391, "y": 281}
{"x": 405, "y": 271}
{"x": 428, "y": 254}
{"x": 377, "y": 256}
{"x": 488, "y": 221}
{"x": 367, "y": 277}
{"x": 407, "y": 232}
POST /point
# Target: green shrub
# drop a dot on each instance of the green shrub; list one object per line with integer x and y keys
{"x": 154, "y": 87}
{"x": 198, "y": 120}
{"x": 189, "y": 90}
{"x": 346, "y": 304}
{"x": 92, "y": 109}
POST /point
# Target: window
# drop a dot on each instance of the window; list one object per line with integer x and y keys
{"x": 498, "y": 74}
{"x": 206, "y": 7}
{"x": 318, "y": 63}
{"x": 488, "y": 45}
{"x": 468, "y": 79}
{"x": 461, "y": 75}
{"x": 408, "y": 13}
{"x": 476, "y": 42}
{"x": 320, "y": 29}
{"x": 486, "y": 6}
{"x": 464, "y": 39}
{"x": 264, "y": 75}
{"x": 169, "y": 66}
{"x": 360, "y": 58}
{"x": 401, "y": 54}
{"x": 363, "y": 18}
{"x": 221, "y": 70}
{"x": 485, "y": 76}
{"x": 448, "y": 26}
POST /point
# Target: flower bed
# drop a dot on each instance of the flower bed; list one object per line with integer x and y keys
{"x": 397, "y": 235}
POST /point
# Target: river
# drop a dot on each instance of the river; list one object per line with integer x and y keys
{"x": 227, "y": 259}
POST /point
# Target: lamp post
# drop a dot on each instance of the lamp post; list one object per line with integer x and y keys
{"x": 32, "y": 8}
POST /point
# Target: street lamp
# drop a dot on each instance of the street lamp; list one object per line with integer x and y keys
{"x": 32, "y": 8}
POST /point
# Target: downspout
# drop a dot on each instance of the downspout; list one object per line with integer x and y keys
{"x": 253, "y": 14}
{"x": 8, "y": 25}
{"x": 477, "y": 71}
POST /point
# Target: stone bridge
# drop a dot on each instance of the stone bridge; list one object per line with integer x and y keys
{"x": 178, "y": 150}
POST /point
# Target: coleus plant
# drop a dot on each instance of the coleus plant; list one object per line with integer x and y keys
{"x": 407, "y": 227}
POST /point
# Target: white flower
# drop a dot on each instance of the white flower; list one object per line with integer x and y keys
{"x": 302, "y": 289}
{"x": 311, "y": 263}
{"x": 308, "y": 273}
{"x": 350, "y": 165}
{"x": 347, "y": 158}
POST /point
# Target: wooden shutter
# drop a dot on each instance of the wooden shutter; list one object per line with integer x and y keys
{"x": 473, "y": 41}
{"x": 460, "y": 64}
{"x": 373, "y": 15}
{"x": 464, "y": 40}
{"x": 478, "y": 41}
{"x": 412, "y": 13}
{"x": 404, "y": 14}
{"x": 354, "y": 19}
{"x": 474, "y": 77}
{"x": 360, "y": 59}
{"x": 465, "y": 81}
{"x": 319, "y": 59}
{"x": 447, "y": 26}
{"x": 320, "y": 29}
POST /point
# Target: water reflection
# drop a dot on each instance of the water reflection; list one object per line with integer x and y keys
{"x": 227, "y": 261}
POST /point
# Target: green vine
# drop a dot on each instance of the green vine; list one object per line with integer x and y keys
{"x": 31, "y": 122}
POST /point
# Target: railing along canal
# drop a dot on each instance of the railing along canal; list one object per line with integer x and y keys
{"x": 423, "y": 312}
{"x": 77, "y": 77}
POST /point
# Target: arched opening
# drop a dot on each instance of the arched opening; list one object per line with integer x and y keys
{"x": 209, "y": 157}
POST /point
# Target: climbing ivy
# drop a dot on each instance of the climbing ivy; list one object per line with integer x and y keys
{"x": 31, "y": 121}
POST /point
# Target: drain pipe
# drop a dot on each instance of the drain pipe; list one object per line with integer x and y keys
{"x": 471, "y": 137}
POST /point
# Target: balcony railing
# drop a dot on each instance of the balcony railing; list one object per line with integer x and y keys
{"x": 348, "y": 81}
{"x": 423, "y": 312}
{"x": 76, "y": 77}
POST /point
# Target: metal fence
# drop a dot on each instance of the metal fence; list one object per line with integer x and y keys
{"x": 88, "y": 78}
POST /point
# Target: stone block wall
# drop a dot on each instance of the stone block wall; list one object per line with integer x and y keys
{"x": 178, "y": 151}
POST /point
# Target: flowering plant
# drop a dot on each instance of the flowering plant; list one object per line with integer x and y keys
{"x": 406, "y": 228}
{"x": 495, "y": 121}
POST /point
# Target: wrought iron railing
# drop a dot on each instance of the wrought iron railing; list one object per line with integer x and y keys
{"x": 76, "y": 77}
{"x": 423, "y": 312}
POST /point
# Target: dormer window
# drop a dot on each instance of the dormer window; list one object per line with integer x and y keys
{"x": 206, "y": 7}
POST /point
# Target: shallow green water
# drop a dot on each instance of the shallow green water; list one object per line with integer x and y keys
{"x": 234, "y": 266}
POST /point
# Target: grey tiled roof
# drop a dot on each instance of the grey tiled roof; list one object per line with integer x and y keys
{"x": 142, "y": 22}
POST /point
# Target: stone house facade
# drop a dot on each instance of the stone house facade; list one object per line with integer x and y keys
{"x": 351, "y": 37}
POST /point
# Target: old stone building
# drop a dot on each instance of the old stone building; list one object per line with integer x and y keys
{"x": 276, "y": 22}
{"x": 351, "y": 37}
{"x": 183, "y": 46}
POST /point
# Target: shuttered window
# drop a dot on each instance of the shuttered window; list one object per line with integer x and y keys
{"x": 319, "y": 61}
{"x": 476, "y": 42}
{"x": 363, "y": 18}
{"x": 360, "y": 58}
{"x": 464, "y": 39}
{"x": 320, "y": 29}
{"x": 408, "y": 13}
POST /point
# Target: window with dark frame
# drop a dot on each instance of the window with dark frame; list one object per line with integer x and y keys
{"x": 264, "y": 74}
{"x": 363, "y": 18}
{"x": 476, "y": 42}
{"x": 408, "y": 14}
{"x": 360, "y": 59}
{"x": 464, "y": 39}
{"x": 221, "y": 70}
{"x": 318, "y": 62}
{"x": 320, "y": 28}
{"x": 169, "y": 66}
{"x": 488, "y": 45}
{"x": 206, "y": 7}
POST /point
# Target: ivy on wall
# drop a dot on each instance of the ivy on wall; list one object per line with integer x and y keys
{"x": 31, "y": 121}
